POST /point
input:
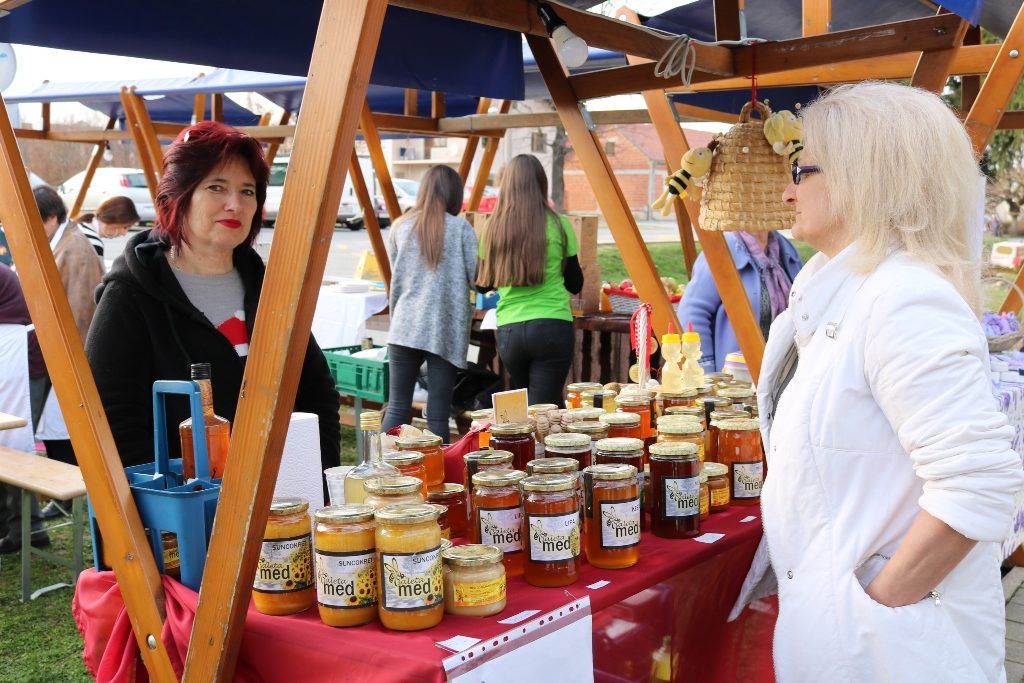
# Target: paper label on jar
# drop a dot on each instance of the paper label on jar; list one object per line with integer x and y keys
{"x": 477, "y": 593}
{"x": 620, "y": 523}
{"x": 502, "y": 527}
{"x": 171, "y": 558}
{"x": 747, "y": 478}
{"x": 682, "y": 496}
{"x": 720, "y": 496}
{"x": 554, "y": 538}
{"x": 411, "y": 581}
{"x": 285, "y": 565}
{"x": 346, "y": 580}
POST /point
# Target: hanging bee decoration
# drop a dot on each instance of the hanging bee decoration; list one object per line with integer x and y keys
{"x": 693, "y": 165}
{"x": 785, "y": 132}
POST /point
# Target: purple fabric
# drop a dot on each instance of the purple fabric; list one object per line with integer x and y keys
{"x": 769, "y": 265}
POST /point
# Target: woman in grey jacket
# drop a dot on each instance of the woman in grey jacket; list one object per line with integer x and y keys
{"x": 433, "y": 259}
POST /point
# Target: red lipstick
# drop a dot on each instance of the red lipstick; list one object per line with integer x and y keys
{"x": 230, "y": 223}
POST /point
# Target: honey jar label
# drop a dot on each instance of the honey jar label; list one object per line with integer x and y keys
{"x": 285, "y": 565}
{"x": 171, "y": 558}
{"x": 346, "y": 580}
{"x": 477, "y": 593}
{"x": 411, "y": 581}
{"x": 554, "y": 538}
{"x": 720, "y": 496}
{"x": 682, "y": 496}
{"x": 502, "y": 527}
{"x": 620, "y": 523}
{"x": 747, "y": 478}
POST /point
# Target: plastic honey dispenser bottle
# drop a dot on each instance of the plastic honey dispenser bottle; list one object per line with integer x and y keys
{"x": 672, "y": 355}
{"x": 371, "y": 463}
{"x": 693, "y": 373}
{"x": 218, "y": 429}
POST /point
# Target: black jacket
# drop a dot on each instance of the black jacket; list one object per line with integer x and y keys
{"x": 146, "y": 329}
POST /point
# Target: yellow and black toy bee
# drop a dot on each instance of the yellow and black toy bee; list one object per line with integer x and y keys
{"x": 693, "y": 165}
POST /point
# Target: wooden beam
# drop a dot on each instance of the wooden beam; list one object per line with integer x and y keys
{"x": 90, "y": 171}
{"x": 1012, "y": 120}
{"x": 482, "y": 107}
{"x": 609, "y": 195}
{"x": 817, "y": 17}
{"x": 498, "y": 122}
{"x": 116, "y": 514}
{"x": 436, "y": 105}
{"x": 8, "y": 5}
{"x": 486, "y": 162}
{"x": 131, "y": 119}
{"x": 272, "y": 148}
{"x": 405, "y": 124}
{"x": 412, "y": 104}
{"x": 198, "y": 107}
{"x": 370, "y": 219}
{"x": 46, "y": 116}
{"x": 339, "y": 72}
{"x": 933, "y": 67}
{"x": 995, "y": 93}
{"x": 217, "y": 107}
{"x": 727, "y": 19}
{"x": 969, "y": 85}
{"x": 688, "y": 112}
{"x": 264, "y": 120}
{"x": 380, "y": 167}
{"x": 149, "y": 135}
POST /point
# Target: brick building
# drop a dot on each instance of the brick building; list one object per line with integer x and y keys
{"x": 635, "y": 155}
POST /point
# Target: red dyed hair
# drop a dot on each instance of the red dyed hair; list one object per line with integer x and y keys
{"x": 199, "y": 150}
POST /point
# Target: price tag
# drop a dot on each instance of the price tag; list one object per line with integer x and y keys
{"x": 709, "y": 538}
{"x": 458, "y": 643}
{"x": 748, "y": 518}
{"x": 598, "y": 584}
{"x": 522, "y": 616}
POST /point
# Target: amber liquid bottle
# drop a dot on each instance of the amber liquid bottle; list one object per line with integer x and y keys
{"x": 218, "y": 430}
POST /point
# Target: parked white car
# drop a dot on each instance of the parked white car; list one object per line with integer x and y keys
{"x": 1008, "y": 254}
{"x": 349, "y": 213}
{"x": 111, "y": 182}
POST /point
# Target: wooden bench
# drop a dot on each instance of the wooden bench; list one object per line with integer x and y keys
{"x": 35, "y": 474}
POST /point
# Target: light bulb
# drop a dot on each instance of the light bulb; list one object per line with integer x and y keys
{"x": 572, "y": 49}
{"x": 107, "y": 154}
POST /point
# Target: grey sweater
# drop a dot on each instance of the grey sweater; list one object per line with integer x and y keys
{"x": 430, "y": 309}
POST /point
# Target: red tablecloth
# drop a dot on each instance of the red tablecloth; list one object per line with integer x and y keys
{"x": 682, "y": 589}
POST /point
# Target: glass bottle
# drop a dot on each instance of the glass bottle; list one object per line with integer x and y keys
{"x": 371, "y": 462}
{"x": 218, "y": 430}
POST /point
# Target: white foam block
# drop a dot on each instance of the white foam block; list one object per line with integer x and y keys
{"x": 300, "y": 472}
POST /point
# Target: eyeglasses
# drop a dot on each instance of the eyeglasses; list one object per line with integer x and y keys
{"x": 799, "y": 171}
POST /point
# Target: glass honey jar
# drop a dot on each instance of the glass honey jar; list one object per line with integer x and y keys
{"x": 594, "y": 430}
{"x": 516, "y": 438}
{"x": 675, "y": 490}
{"x": 621, "y": 450}
{"x": 482, "y": 460}
{"x": 433, "y": 457}
{"x": 574, "y": 392}
{"x": 345, "y": 564}
{"x": 410, "y": 464}
{"x": 474, "y": 580}
{"x": 603, "y": 399}
{"x": 568, "y": 445}
{"x": 582, "y": 415}
{"x": 739, "y": 396}
{"x": 694, "y": 410}
{"x": 497, "y": 515}
{"x": 410, "y": 581}
{"x": 551, "y": 530}
{"x": 453, "y": 497}
{"x": 442, "y": 521}
{"x": 640, "y": 403}
{"x": 611, "y": 515}
{"x": 391, "y": 490}
{"x": 739, "y": 448}
{"x": 718, "y": 486}
{"x": 284, "y": 582}
{"x": 682, "y": 429}
{"x": 675, "y": 399}
{"x": 711, "y": 442}
{"x": 713, "y": 403}
{"x": 622, "y": 425}
{"x": 553, "y": 466}
{"x": 482, "y": 419}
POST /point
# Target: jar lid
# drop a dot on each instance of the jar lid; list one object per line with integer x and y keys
{"x": 582, "y": 415}
{"x": 445, "y": 492}
{"x": 735, "y": 392}
{"x": 549, "y": 482}
{"x": 597, "y": 392}
{"x": 567, "y": 440}
{"x": 553, "y": 466}
{"x": 407, "y": 513}
{"x": 370, "y": 420}
{"x": 678, "y": 426}
{"x": 494, "y": 478}
{"x": 703, "y": 476}
{"x": 684, "y": 393}
{"x": 740, "y": 425}
{"x": 587, "y": 427}
{"x": 718, "y": 402}
{"x": 472, "y": 555}
{"x": 288, "y": 505}
{"x": 611, "y": 471}
{"x": 403, "y": 458}
{"x": 674, "y": 449}
{"x": 445, "y": 544}
{"x": 716, "y": 376}
{"x": 685, "y": 410}
{"x": 577, "y": 387}
{"x": 393, "y": 485}
{"x": 620, "y": 444}
{"x": 511, "y": 428}
{"x": 419, "y": 441}
{"x": 716, "y": 469}
{"x": 489, "y": 456}
{"x": 670, "y": 419}
{"x": 729, "y": 414}
{"x": 640, "y": 398}
{"x": 705, "y": 389}
{"x": 621, "y": 419}
{"x": 541, "y": 408}
{"x": 344, "y": 514}
{"x": 485, "y": 415}
{"x": 442, "y": 510}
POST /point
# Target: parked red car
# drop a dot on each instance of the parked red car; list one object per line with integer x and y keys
{"x": 487, "y": 202}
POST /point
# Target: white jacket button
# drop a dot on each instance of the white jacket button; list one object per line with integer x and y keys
{"x": 789, "y": 574}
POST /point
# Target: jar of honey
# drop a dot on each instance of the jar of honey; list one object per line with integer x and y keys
{"x": 433, "y": 457}
{"x": 346, "y": 566}
{"x": 739, "y": 396}
{"x": 594, "y": 430}
{"x": 453, "y": 497}
{"x": 622, "y": 425}
{"x": 391, "y": 490}
{"x": 739, "y": 448}
{"x": 713, "y": 403}
{"x": 599, "y": 398}
{"x": 442, "y": 521}
{"x": 582, "y": 415}
{"x": 172, "y": 559}
{"x": 540, "y": 408}
{"x": 568, "y": 445}
{"x": 553, "y": 466}
{"x": 410, "y": 583}
{"x": 640, "y": 403}
{"x": 497, "y": 515}
{"x": 474, "y": 580}
{"x": 574, "y": 392}
{"x": 717, "y": 377}
{"x": 684, "y": 397}
{"x": 711, "y": 442}
{"x": 705, "y": 495}
{"x": 718, "y": 486}
{"x": 516, "y": 438}
{"x": 409, "y": 463}
{"x": 675, "y": 490}
{"x": 284, "y": 581}
{"x": 611, "y": 515}
{"x": 551, "y": 527}
{"x": 682, "y": 429}
{"x": 478, "y": 420}
{"x": 621, "y": 450}
{"x": 694, "y": 410}
{"x": 480, "y": 461}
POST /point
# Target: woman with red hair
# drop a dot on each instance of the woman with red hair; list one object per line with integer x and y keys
{"x": 187, "y": 291}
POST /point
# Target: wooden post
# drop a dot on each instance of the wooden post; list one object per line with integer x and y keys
{"x": 142, "y": 150}
{"x": 46, "y": 117}
{"x": 607, "y": 191}
{"x": 727, "y": 19}
{"x": 118, "y": 518}
{"x": 198, "y": 107}
{"x": 412, "y": 104}
{"x": 90, "y": 171}
{"x": 469, "y": 152}
{"x": 486, "y": 162}
{"x": 217, "y": 107}
{"x": 933, "y": 67}
{"x": 339, "y": 72}
{"x": 274, "y": 146}
{"x": 817, "y": 17}
{"x": 969, "y": 85}
{"x": 380, "y": 165}
{"x": 370, "y": 219}
{"x": 436, "y": 105}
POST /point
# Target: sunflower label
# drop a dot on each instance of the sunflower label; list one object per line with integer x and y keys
{"x": 285, "y": 565}
{"x": 411, "y": 581}
{"x": 345, "y": 580}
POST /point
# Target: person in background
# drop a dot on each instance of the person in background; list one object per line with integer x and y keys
{"x": 767, "y": 263}
{"x": 112, "y": 218}
{"x": 529, "y": 254}
{"x": 187, "y": 291}
{"x": 433, "y": 261}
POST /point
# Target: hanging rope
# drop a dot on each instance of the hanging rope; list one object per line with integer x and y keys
{"x": 679, "y": 60}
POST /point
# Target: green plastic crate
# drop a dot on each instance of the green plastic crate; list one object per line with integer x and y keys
{"x": 359, "y": 377}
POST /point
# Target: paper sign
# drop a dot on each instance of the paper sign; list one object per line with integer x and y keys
{"x": 748, "y": 518}
{"x": 598, "y": 584}
{"x": 458, "y": 643}
{"x": 510, "y": 406}
{"x": 522, "y": 616}
{"x": 709, "y": 538}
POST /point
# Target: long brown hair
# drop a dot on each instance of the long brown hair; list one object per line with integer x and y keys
{"x": 116, "y": 210}
{"x": 440, "y": 193}
{"x": 515, "y": 242}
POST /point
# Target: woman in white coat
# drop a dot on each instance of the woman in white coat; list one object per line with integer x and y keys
{"x": 891, "y": 478}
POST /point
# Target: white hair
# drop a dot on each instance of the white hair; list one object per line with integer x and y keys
{"x": 900, "y": 173}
